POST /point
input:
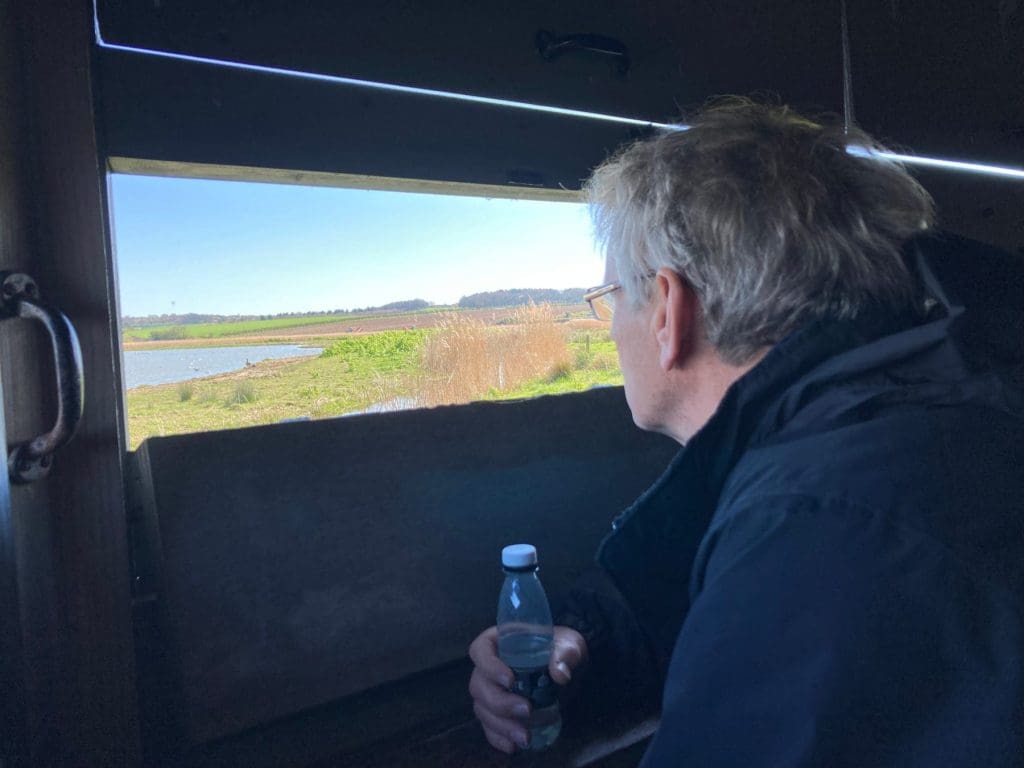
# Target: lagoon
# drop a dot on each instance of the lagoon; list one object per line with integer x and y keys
{"x": 166, "y": 366}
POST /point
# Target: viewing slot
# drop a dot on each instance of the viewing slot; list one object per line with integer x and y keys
{"x": 254, "y": 302}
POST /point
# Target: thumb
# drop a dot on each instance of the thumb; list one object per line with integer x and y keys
{"x": 568, "y": 651}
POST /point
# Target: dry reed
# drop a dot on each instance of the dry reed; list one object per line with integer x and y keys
{"x": 465, "y": 358}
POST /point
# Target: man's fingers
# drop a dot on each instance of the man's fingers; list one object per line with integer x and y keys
{"x": 499, "y": 742}
{"x": 502, "y": 729}
{"x": 568, "y": 651}
{"x": 561, "y": 673}
{"x": 496, "y": 699}
{"x": 485, "y": 641}
{"x": 484, "y": 654}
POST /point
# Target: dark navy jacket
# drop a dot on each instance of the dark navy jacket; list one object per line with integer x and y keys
{"x": 831, "y": 573}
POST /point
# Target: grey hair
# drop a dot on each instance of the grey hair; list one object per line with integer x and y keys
{"x": 766, "y": 215}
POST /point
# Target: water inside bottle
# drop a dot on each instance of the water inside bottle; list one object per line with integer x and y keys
{"x": 528, "y": 655}
{"x": 521, "y": 650}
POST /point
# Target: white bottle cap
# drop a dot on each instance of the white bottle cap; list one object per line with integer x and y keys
{"x": 519, "y": 556}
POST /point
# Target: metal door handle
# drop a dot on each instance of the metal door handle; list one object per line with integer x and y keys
{"x": 19, "y": 297}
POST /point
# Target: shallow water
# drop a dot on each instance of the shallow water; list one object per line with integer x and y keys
{"x": 165, "y": 366}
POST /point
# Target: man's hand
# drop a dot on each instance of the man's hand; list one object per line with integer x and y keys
{"x": 502, "y": 714}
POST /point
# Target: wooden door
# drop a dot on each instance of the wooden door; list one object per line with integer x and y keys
{"x": 64, "y": 569}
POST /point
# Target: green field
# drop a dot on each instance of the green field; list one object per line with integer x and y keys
{"x": 349, "y": 376}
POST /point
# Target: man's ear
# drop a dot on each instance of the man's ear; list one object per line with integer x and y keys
{"x": 675, "y": 318}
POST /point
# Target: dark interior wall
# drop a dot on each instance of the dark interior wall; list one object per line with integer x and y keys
{"x": 299, "y": 563}
{"x": 942, "y": 79}
{"x": 679, "y": 53}
{"x": 167, "y": 110}
{"x": 984, "y": 208}
{"x": 14, "y": 747}
{"x": 947, "y": 80}
{"x": 172, "y": 111}
{"x": 69, "y": 530}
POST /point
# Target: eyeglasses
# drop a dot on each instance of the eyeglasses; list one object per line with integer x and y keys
{"x": 601, "y": 302}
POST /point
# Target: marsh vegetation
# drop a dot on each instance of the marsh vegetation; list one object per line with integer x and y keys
{"x": 412, "y": 360}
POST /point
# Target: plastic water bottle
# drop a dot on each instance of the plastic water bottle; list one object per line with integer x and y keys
{"x": 525, "y": 635}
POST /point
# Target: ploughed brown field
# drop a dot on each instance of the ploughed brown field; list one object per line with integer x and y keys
{"x": 353, "y": 326}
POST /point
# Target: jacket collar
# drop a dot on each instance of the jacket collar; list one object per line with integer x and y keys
{"x": 653, "y": 543}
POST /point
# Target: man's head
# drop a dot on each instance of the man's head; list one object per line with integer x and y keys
{"x": 750, "y": 224}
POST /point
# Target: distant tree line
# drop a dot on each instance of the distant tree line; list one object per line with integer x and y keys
{"x": 409, "y": 305}
{"x": 192, "y": 318}
{"x": 515, "y": 297}
{"x": 509, "y": 297}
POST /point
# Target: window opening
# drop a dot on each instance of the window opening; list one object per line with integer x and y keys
{"x": 252, "y": 303}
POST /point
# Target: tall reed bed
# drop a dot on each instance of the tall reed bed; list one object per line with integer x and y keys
{"x": 465, "y": 358}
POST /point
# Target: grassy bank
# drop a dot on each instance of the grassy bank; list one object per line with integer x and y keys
{"x": 595, "y": 363}
{"x": 457, "y": 362}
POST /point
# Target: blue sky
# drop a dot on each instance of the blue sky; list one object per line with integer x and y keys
{"x": 187, "y": 245}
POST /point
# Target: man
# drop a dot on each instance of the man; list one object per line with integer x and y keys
{"x": 831, "y": 572}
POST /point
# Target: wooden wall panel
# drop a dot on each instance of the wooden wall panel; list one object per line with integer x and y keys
{"x": 27, "y": 524}
{"x": 71, "y": 530}
{"x": 171, "y": 111}
{"x": 680, "y": 53}
{"x": 304, "y": 562}
{"x": 945, "y": 81}
{"x": 13, "y": 723}
{"x": 176, "y": 111}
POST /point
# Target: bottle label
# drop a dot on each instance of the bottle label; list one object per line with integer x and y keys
{"x": 536, "y": 685}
